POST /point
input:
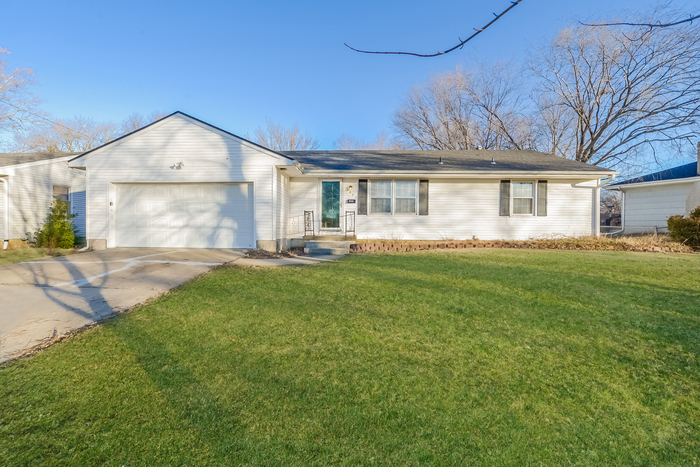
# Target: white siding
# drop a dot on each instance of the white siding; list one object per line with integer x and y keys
{"x": 281, "y": 205}
{"x": 3, "y": 234}
{"x": 303, "y": 196}
{"x": 648, "y": 208}
{"x": 151, "y": 156}
{"x": 31, "y": 195}
{"x": 463, "y": 209}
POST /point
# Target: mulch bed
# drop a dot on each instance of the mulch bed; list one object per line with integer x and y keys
{"x": 535, "y": 245}
{"x": 263, "y": 254}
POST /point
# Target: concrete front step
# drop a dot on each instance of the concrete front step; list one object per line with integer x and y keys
{"x": 326, "y": 251}
{"x": 328, "y": 244}
{"x": 330, "y": 237}
{"x": 327, "y": 247}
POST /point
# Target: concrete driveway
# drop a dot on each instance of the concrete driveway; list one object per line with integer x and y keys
{"x": 44, "y": 299}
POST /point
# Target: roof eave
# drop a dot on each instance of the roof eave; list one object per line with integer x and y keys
{"x": 563, "y": 174}
{"x": 654, "y": 183}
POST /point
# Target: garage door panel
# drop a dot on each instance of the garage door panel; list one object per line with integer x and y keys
{"x": 142, "y": 208}
{"x": 191, "y": 216}
{"x": 177, "y": 207}
{"x": 177, "y": 222}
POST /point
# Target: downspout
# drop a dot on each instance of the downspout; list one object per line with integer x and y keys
{"x": 6, "y": 223}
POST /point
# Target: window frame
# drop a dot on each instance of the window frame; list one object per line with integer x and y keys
{"x": 392, "y": 182}
{"x": 69, "y": 195}
{"x": 513, "y": 198}
{"x": 370, "y": 198}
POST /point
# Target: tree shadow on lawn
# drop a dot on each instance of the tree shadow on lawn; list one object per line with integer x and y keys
{"x": 189, "y": 373}
{"x": 210, "y": 392}
{"x": 671, "y": 313}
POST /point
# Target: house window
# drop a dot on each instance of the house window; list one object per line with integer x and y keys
{"x": 380, "y": 197}
{"x": 523, "y": 197}
{"x": 393, "y": 197}
{"x": 62, "y": 193}
{"x": 405, "y": 197}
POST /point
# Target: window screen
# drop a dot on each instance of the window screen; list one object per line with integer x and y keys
{"x": 62, "y": 193}
{"x": 405, "y": 197}
{"x": 380, "y": 196}
{"x": 523, "y": 194}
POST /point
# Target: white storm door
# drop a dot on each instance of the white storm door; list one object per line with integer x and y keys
{"x": 186, "y": 215}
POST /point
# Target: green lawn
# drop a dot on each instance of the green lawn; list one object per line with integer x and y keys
{"x": 486, "y": 357}
{"x": 17, "y": 256}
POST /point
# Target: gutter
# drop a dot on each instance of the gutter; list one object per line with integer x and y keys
{"x": 599, "y": 185}
{"x": 6, "y": 224}
{"x": 625, "y": 186}
{"x": 464, "y": 174}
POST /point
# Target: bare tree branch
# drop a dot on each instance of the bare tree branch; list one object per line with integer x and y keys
{"x": 76, "y": 135}
{"x": 464, "y": 109}
{"x": 381, "y": 142}
{"x": 136, "y": 121}
{"x": 274, "y": 136}
{"x": 79, "y": 134}
{"x": 649, "y": 25}
{"x": 627, "y": 90}
{"x": 458, "y": 46}
{"x": 18, "y": 106}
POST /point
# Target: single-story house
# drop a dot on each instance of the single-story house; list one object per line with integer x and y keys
{"x": 648, "y": 201}
{"x": 29, "y": 182}
{"x": 181, "y": 182}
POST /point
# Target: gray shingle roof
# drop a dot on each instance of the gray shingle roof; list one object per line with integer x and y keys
{"x": 427, "y": 161}
{"x": 675, "y": 173}
{"x": 15, "y": 158}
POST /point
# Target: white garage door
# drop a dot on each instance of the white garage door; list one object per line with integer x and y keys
{"x": 207, "y": 215}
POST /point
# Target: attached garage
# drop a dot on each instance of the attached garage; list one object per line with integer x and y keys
{"x": 183, "y": 183}
{"x": 185, "y": 215}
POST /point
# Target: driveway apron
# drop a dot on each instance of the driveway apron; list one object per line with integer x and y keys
{"x": 45, "y": 299}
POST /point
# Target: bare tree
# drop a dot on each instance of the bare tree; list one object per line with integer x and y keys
{"x": 381, "y": 142}
{"x": 626, "y": 90}
{"x": 18, "y": 106}
{"x": 77, "y": 135}
{"x": 485, "y": 107}
{"x": 274, "y": 136}
{"x": 136, "y": 121}
{"x": 552, "y": 124}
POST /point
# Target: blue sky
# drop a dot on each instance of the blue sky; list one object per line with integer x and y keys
{"x": 235, "y": 63}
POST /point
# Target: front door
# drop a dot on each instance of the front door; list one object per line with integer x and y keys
{"x": 330, "y": 205}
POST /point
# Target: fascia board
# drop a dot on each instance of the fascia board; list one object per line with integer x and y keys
{"x": 655, "y": 183}
{"x": 30, "y": 164}
{"x": 464, "y": 174}
{"x": 79, "y": 161}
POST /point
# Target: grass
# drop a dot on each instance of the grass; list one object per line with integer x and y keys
{"x": 480, "y": 357}
{"x": 27, "y": 254}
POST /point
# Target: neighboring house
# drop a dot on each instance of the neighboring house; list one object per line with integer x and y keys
{"x": 29, "y": 182}
{"x": 648, "y": 201}
{"x": 180, "y": 182}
